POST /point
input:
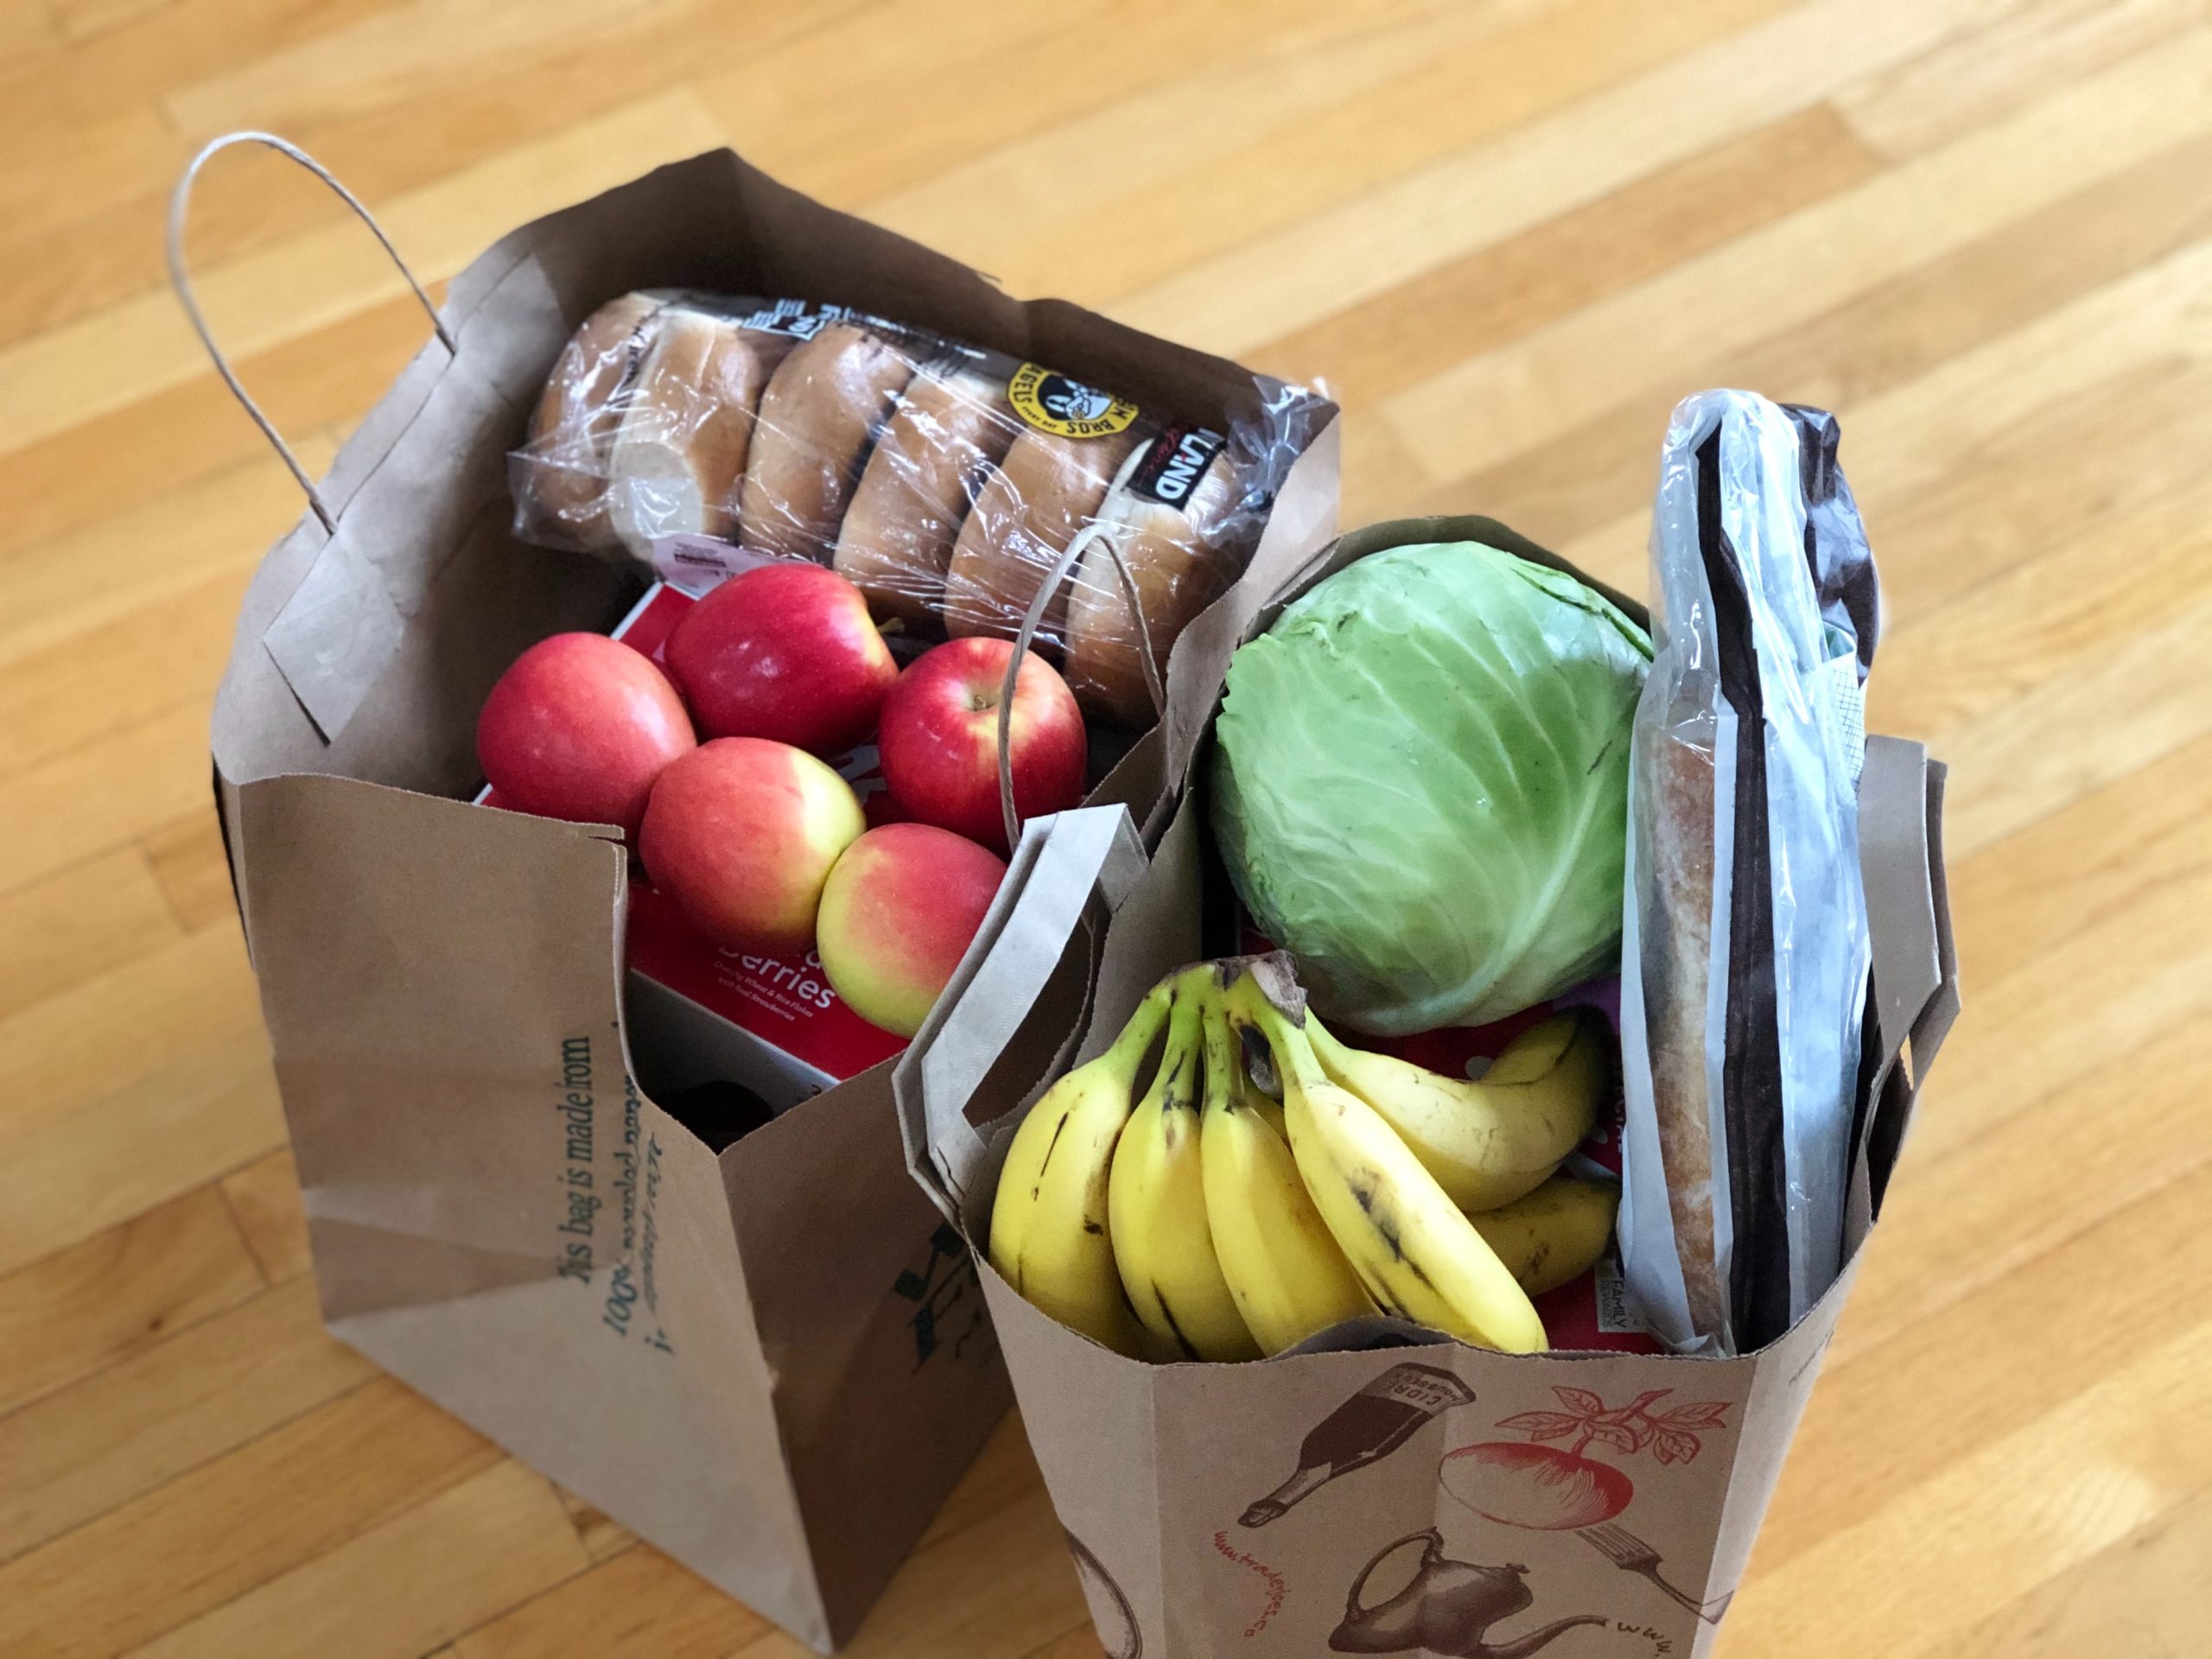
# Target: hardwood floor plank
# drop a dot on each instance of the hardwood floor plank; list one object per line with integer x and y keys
{"x": 1984, "y": 72}
{"x": 992, "y": 1590}
{"x": 81, "y": 20}
{"x": 28, "y": 36}
{"x": 1298, "y": 275}
{"x": 1988, "y": 1367}
{"x": 603, "y": 1537}
{"x": 1495, "y": 406}
{"x": 118, "y": 1292}
{"x": 1127, "y": 196}
{"x": 457, "y": 112}
{"x": 157, "y": 48}
{"x": 193, "y": 869}
{"x": 2146, "y": 1596}
{"x": 2044, "y": 615}
{"x": 58, "y": 173}
{"x": 1590, "y": 488}
{"x": 492, "y": 1542}
{"x": 2134, "y": 973}
{"x": 78, "y": 923}
{"x": 2055, "y": 1167}
{"x": 1003, "y": 1472}
{"x": 2029, "y": 893}
{"x": 194, "y": 994}
{"x": 1370, "y": 350}
{"x": 110, "y": 359}
{"x": 264, "y": 1200}
{"x": 382, "y": 57}
{"x": 104, "y": 796}
{"x": 1954, "y": 1547}
{"x": 214, "y": 528}
{"x": 208, "y": 1109}
{"x": 637, "y": 1605}
{"x": 69, "y": 697}
{"x": 2080, "y": 730}
{"x": 217, "y": 1531}
{"x": 101, "y": 1129}
{"x": 179, "y": 1410}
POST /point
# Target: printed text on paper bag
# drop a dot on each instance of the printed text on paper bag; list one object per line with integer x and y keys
{"x": 584, "y": 1238}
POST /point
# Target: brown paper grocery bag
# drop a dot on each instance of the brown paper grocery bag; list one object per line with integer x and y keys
{"x": 771, "y": 1363}
{"x": 1400, "y": 1492}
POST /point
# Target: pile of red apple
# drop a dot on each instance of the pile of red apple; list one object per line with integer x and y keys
{"x": 754, "y": 836}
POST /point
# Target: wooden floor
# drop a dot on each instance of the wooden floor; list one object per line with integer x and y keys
{"x": 1508, "y": 236}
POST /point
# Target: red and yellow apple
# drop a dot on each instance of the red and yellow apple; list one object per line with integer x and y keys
{"x": 742, "y": 833}
{"x": 787, "y": 651}
{"x": 898, "y": 914}
{"x": 579, "y": 727}
{"x": 939, "y": 740}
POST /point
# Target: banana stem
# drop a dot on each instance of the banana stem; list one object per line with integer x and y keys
{"x": 1179, "y": 1061}
{"x": 1122, "y": 1059}
{"x": 1224, "y": 1065}
{"x": 1294, "y": 1057}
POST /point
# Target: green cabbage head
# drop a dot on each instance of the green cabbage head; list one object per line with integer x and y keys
{"x": 1421, "y": 785}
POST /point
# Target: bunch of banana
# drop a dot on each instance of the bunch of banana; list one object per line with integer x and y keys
{"x": 1202, "y": 1220}
{"x": 1555, "y": 1235}
{"x": 1048, "y": 1223}
{"x": 1284, "y": 1269}
{"x": 1156, "y": 1206}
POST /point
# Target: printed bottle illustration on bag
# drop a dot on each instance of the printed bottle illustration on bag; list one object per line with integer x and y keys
{"x": 1366, "y": 1428}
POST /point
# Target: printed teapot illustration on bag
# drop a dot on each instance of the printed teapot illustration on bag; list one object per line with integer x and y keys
{"x": 1447, "y": 1609}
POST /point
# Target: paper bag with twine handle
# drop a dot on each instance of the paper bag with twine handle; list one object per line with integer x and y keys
{"x": 771, "y": 1362}
{"x": 1382, "y": 1488}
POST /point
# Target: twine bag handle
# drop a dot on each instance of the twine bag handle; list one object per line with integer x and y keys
{"x": 181, "y": 279}
{"x": 1096, "y": 530}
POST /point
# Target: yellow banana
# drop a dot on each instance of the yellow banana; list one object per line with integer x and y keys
{"x": 1285, "y": 1272}
{"x": 1418, "y": 1255}
{"x": 1554, "y": 1235}
{"x": 1049, "y": 1217}
{"x": 1490, "y": 1140}
{"x": 1156, "y": 1204}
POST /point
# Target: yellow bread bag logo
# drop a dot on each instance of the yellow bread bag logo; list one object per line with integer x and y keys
{"x": 1053, "y": 403}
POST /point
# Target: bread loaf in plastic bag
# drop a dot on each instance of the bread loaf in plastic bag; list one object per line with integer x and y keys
{"x": 1745, "y": 954}
{"x": 956, "y": 487}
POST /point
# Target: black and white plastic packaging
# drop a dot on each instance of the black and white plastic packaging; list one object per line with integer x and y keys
{"x": 1744, "y": 953}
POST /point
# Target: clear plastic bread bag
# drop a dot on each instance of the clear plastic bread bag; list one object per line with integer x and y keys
{"x": 1744, "y": 950}
{"x": 958, "y": 488}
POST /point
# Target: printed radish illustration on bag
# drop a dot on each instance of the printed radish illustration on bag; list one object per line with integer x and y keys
{"x": 1312, "y": 1258}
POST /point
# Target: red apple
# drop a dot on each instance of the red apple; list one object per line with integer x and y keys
{"x": 898, "y": 915}
{"x": 578, "y": 728}
{"x": 939, "y": 740}
{"x": 742, "y": 833}
{"x": 787, "y": 651}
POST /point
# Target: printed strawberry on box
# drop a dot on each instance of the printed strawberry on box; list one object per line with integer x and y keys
{"x": 770, "y": 1024}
